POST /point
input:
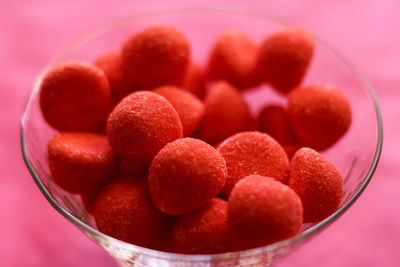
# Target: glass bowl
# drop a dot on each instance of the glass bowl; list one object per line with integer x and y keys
{"x": 356, "y": 155}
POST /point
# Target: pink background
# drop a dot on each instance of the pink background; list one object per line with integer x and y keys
{"x": 32, "y": 33}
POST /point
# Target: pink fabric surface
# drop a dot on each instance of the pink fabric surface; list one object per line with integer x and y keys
{"x": 34, "y": 32}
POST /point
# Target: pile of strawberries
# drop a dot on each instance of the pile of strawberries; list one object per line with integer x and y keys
{"x": 167, "y": 156}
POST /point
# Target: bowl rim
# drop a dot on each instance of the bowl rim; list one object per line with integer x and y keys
{"x": 200, "y": 257}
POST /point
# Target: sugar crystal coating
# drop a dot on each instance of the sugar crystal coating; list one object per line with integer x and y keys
{"x": 317, "y": 182}
{"x": 74, "y": 96}
{"x": 121, "y": 83}
{"x": 226, "y": 113}
{"x": 284, "y": 57}
{"x": 80, "y": 162}
{"x": 234, "y": 59}
{"x": 203, "y": 231}
{"x": 320, "y": 115}
{"x": 189, "y": 108}
{"x": 262, "y": 211}
{"x": 157, "y": 55}
{"x": 123, "y": 210}
{"x": 140, "y": 125}
{"x": 250, "y": 153}
{"x": 274, "y": 121}
{"x": 124, "y": 170}
{"x": 185, "y": 175}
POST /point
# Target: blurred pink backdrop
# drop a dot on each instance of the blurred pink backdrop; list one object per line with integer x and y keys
{"x": 34, "y": 32}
